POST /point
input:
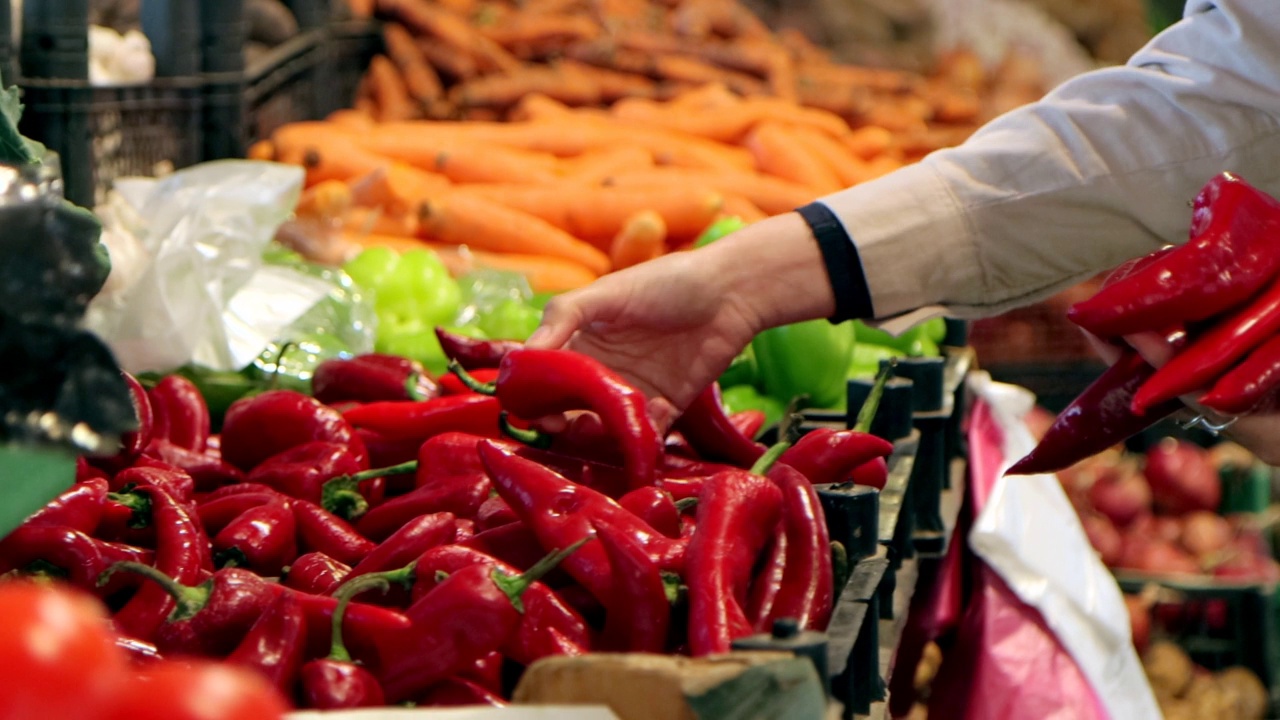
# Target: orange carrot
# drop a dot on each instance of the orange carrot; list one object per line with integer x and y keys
{"x": 459, "y": 160}
{"x": 325, "y": 152}
{"x": 536, "y": 106}
{"x": 451, "y": 61}
{"x": 398, "y": 188}
{"x": 597, "y": 214}
{"x": 545, "y": 274}
{"x": 540, "y": 32}
{"x": 369, "y": 240}
{"x": 389, "y": 91}
{"x": 777, "y": 153}
{"x": 882, "y": 165}
{"x": 643, "y": 237}
{"x": 351, "y": 120}
{"x": 327, "y": 200}
{"x": 849, "y": 168}
{"x": 468, "y": 219}
{"x": 679, "y": 68}
{"x": 890, "y": 81}
{"x": 772, "y": 195}
{"x": 740, "y": 207}
{"x": 611, "y": 84}
{"x": 361, "y": 8}
{"x": 376, "y": 221}
{"x": 262, "y": 150}
{"x": 420, "y": 78}
{"x": 595, "y": 165}
{"x": 505, "y": 90}
{"x": 869, "y": 142}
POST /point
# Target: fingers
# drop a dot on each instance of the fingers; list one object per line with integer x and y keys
{"x": 1108, "y": 352}
{"x": 663, "y": 414}
{"x": 1153, "y": 347}
{"x": 560, "y": 320}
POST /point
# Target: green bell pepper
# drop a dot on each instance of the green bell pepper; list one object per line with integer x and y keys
{"x": 805, "y": 359}
{"x": 742, "y": 371}
{"x": 719, "y": 229}
{"x": 919, "y": 341}
{"x": 510, "y": 320}
{"x": 865, "y": 362}
{"x": 745, "y": 397}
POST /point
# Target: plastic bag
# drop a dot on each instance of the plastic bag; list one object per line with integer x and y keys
{"x": 188, "y": 283}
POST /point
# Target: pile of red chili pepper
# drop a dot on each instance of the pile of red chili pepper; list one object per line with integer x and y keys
{"x": 1215, "y": 298}
{"x": 399, "y": 538}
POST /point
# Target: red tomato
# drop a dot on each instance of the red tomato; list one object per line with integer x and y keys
{"x": 60, "y": 658}
{"x": 198, "y": 690}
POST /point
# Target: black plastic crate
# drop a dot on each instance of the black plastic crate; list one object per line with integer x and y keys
{"x": 351, "y": 46}
{"x": 104, "y": 133}
{"x": 286, "y": 86}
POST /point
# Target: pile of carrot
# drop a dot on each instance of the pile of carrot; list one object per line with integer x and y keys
{"x": 568, "y": 138}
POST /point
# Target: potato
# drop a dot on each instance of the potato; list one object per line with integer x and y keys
{"x": 1248, "y": 692}
{"x": 1168, "y": 668}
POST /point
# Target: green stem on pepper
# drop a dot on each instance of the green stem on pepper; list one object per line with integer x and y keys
{"x": 341, "y": 495}
{"x": 867, "y": 414}
{"x": 532, "y": 438}
{"x": 470, "y": 382}
{"x": 188, "y": 600}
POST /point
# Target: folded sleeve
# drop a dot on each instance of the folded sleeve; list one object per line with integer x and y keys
{"x": 1099, "y": 171}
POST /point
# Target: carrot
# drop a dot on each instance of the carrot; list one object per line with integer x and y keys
{"x": 739, "y": 206}
{"x": 361, "y": 8}
{"x": 772, "y": 195}
{"x": 459, "y": 160}
{"x": 362, "y": 239}
{"x": 398, "y": 188}
{"x": 327, "y": 200}
{"x": 899, "y": 114}
{"x": 642, "y": 237}
{"x": 468, "y": 219}
{"x": 612, "y": 85}
{"x": 426, "y": 19}
{"x": 882, "y": 165}
{"x": 325, "y": 152}
{"x": 536, "y": 106}
{"x": 869, "y": 141}
{"x": 505, "y": 90}
{"x": 783, "y": 111}
{"x": 262, "y": 150}
{"x": 802, "y": 48}
{"x": 551, "y": 7}
{"x": 597, "y": 214}
{"x": 708, "y": 96}
{"x": 420, "y": 78}
{"x": 456, "y": 63}
{"x": 535, "y": 33}
{"x": 389, "y": 91}
{"x": 679, "y": 68}
{"x": 889, "y": 81}
{"x": 376, "y": 221}
{"x": 596, "y": 165}
{"x": 352, "y": 120}
{"x": 849, "y": 168}
{"x": 605, "y": 53}
{"x": 777, "y": 153}
{"x": 782, "y": 72}
{"x": 545, "y": 274}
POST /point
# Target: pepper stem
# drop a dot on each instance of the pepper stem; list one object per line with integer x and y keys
{"x": 411, "y": 387}
{"x": 684, "y": 504}
{"x": 867, "y": 414}
{"x": 190, "y": 600}
{"x": 381, "y": 581}
{"x": 341, "y": 495}
{"x": 472, "y": 384}
{"x": 141, "y": 507}
{"x": 532, "y": 438}
{"x": 515, "y": 585}
{"x": 770, "y": 457}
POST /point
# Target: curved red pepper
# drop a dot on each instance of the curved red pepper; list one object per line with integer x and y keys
{"x": 273, "y": 646}
{"x": 495, "y": 512}
{"x": 257, "y": 427}
{"x": 655, "y": 507}
{"x": 65, "y": 553}
{"x": 180, "y": 415}
{"x": 459, "y": 692}
{"x": 514, "y": 544}
{"x": 460, "y": 495}
{"x": 1229, "y": 257}
{"x": 419, "y": 421}
{"x": 263, "y": 539}
{"x": 316, "y": 573}
{"x": 830, "y": 456}
{"x": 638, "y": 615}
{"x": 874, "y": 473}
{"x": 80, "y": 507}
{"x": 217, "y": 513}
{"x": 450, "y": 384}
{"x": 207, "y": 470}
{"x": 306, "y": 471}
{"x": 408, "y": 544}
{"x": 133, "y": 442}
{"x": 473, "y": 353}
{"x": 176, "y": 483}
{"x": 561, "y": 512}
{"x": 736, "y": 515}
{"x": 321, "y": 530}
{"x": 749, "y": 422}
{"x": 85, "y": 471}
{"x": 765, "y": 586}
{"x": 1248, "y": 385}
{"x": 486, "y": 672}
{"x": 806, "y": 592}
{"x": 711, "y": 432}
{"x": 371, "y": 378}
{"x": 334, "y": 681}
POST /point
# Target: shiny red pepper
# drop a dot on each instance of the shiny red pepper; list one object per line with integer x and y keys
{"x": 321, "y": 530}
{"x": 181, "y": 553}
{"x": 336, "y": 681}
{"x": 486, "y": 671}
{"x": 385, "y": 452}
{"x": 177, "y": 483}
{"x": 217, "y": 513}
{"x": 1230, "y": 256}
{"x": 316, "y": 573}
{"x": 419, "y": 421}
{"x": 263, "y": 539}
{"x": 514, "y": 544}
{"x": 765, "y": 586}
{"x": 317, "y": 472}
{"x": 371, "y": 378}
{"x": 874, "y": 473}
{"x": 65, "y": 553}
{"x": 207, "y": 470}
{"x": 273, "y": 645}
{"x": 711, "y": 432}
{"x": 133, "y": 442}
{"x": 806, "y": 592}
{"x": 1249, "y": 385}
{"x": 180, "y": 415}
{"x": 451, "y": 385}
{"x": 495, "y": 512}
{"x": 550, "y": 626}
{"x": 830, "y": 456}
{"x": 473, "y": 353}
{"x": 85, "y": 471}
{"x": 456, "y": 453}
{"x": 561, "y": 512}
{"x": 736, "y": 515}
{"x": 459, "y": 692}
{"x": 655, "y": 507}
{"x": 539, "y": 383}
{"x": 638, "y": 615}
{"x": 80, "y": 507}
{"x": 257, "y": 427}
{"x": 749, "y": 422}
{"x": 459, "y": 495}
{"x": 408, "y": 543}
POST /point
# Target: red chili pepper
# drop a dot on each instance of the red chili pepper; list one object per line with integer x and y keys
{"x": 483, "y": 607}
{"x": 371, "y": 378}
{"x": 806, "y": 593}
{"x": 316, "y": 573}
{"x": 181, "y": 553}
{"x": 408, "y": 543}
{"x": 322, "y": 531}
{"x": 207, "y": 470}
{"x": 173, "y": 481}
{"x": 461, "y": 495}
{"x": 685, "y": 488}
{"x": 638, "y": 615}
{"x": 263, "y": 539}
{"x": 80, "y": 507}
{"x": 495, "y": 512}
{"x": 711, "y": 432}
{"x": 336, "y": 681}
{"x": 514, "y": 543}
{"x": 244, "y": 488}
{"x": 306, "y": 471}
{"x": 459, "y": 692}
{"x": 180, "y": 414}
{"x": 64, "y": 553}
{"x": 1248, "y": 385}
{"x": 419, "y": 421}
{"x": 1100, "y": 417}
{"x": 765, "y": 586}
{"x": 655, "y": 507}
{"x": 1230, "y": 256}
{"x": 830, "y": 456}
{"x": 585, "y": 438}
{"x": 560, "y": 512}
{"x": 273, "y": 645}
{"x": 85, "y": 471}
{"x": 217, "y": 513}
{"x": 456, "y": 453}
{"x": 874, "y": 473}
{"x": 1206, "y": 357}
{"x": 549, "y": 627}
{"x": 450, "y": 384}
{"x": 538, "y": 383}
{"x": 132, "y": 442}
{"x": 257, "y": 427}
{"x": 486, "y": 671}
{"x": 473, "y": 353}
{"x": 736, "y": 514}
{"x": 675, "y": 466}
{"x": 749, "y": 422}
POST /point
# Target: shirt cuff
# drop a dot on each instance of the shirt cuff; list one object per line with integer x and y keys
{"x": 910, "y": 240}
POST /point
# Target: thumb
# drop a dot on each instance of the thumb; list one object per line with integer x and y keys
{"x": 560, "y": 320}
